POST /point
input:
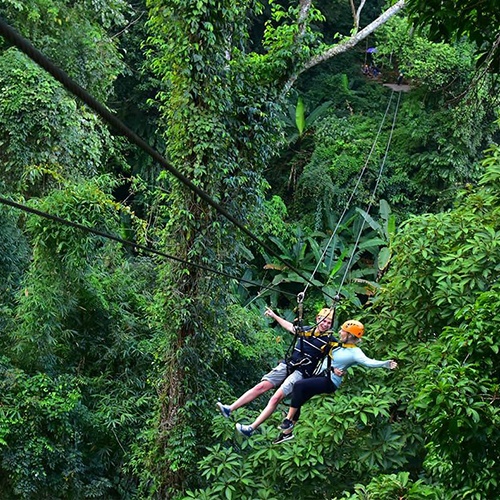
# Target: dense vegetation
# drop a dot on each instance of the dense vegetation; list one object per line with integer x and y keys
{"x": 113, "y": 356}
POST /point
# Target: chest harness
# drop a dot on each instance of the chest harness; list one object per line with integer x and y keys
{"x": 304, "y": 359}
{"x": 335, "y": 346}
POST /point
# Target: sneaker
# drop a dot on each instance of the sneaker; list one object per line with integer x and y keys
{"x": 225, "y": 410}
{"x": 283, "y": 437}
{"x": 246, "y": 430}
{"x": 286, "y": 425}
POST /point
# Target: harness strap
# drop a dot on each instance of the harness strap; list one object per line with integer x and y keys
{"x": 314, "y": 333}
{"x": 298, "y": 324}
{"x": 340, "y": 344}
{"x": 335, "y": 346}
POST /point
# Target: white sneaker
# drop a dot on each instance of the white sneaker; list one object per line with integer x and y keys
{"x": 283, "y": 437}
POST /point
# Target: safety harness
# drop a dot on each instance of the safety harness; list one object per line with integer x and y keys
{"x": 300, "y": 333}
{"x": 306, "y": 359}
{"x": 334, "y": 346}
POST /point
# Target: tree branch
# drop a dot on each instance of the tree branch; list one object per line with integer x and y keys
{"x": 305, "y": 6}
{"x": 347, "y": 43}
{"x": 356, "y": 14}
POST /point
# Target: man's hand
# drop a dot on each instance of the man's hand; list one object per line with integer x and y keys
{"x": 269, "y": 312}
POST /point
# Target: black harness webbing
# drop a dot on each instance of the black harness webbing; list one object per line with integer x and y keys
{"x": 334, "y": 346}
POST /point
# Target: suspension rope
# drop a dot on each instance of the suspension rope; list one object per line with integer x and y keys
{"x": 372, "y": 198}
{"x": 337, "y": 297}
{"x": 351, "y": 197}
{"x": 38, "y": 57}
{"x": 134, "y": 245}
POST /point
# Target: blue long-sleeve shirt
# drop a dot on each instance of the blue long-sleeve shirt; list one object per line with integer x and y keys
{"x": 345, "y": 357}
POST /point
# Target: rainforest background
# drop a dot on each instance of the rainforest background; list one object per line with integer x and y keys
{"x": 113, "y": 357}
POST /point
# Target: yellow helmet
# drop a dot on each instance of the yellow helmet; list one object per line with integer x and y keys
{"x": 326, "y": 313}
{"x": 354, "y": 327}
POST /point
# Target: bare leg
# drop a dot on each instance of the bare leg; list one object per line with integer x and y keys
{"x": 291, "y": 413}
{"x": 277, "y": 397}
{"x": 251, "y": 394}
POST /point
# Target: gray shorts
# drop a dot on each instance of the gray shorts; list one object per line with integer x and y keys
{"x": 278, "y": 377}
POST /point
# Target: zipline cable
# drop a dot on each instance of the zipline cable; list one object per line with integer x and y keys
{"x": 372, "y": 197}
{"x": 351, "y": 197}
{"x": 37, "y": 56}
{"x": 135, "y": 246}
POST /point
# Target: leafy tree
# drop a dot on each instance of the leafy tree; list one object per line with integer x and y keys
{"x": 424, "y": 168}
{"x": 449, "y": 20}
{"x": 456, "y": 402}
{"x": 45, "y": 135}
{"x": 75, "y": 35}
{"x": 79, "y": 354}
{"x": 439, "y": 293}
{"x": 217, "y": 134}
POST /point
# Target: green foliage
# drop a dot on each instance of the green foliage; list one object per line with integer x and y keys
{"x": 442, "y": 293}
{"x": 75, "y": 36}
{"x": 275, "y": 214}
{"x": 43, "y": 425}
{"x": 394, "y": 487}
{"x": 351, "y": 261}
{"x": 339, "y": 440}
{"x": 342, "y": 147}
{"x": 456, "y": 401}
{"x": 220, "y": 116}
{"x": 113, "y": 361}
{"x": 440, "y": 134}
{"x": 445, "y": 260}
{"x": 450, "y": 20}
{"x": 80, "y": 320}
{"x": 63, "y": 284}
{"x": 300, "y": 120}
{"x": 435, "y": 65}
{"x": 45, "y": 136}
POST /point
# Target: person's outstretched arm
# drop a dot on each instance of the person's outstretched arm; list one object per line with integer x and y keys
{"x": 287, "y": 325}
{"x": 363, "y": 359}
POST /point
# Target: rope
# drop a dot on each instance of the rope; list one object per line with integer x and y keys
{"x": 337, "y": 297}
{"x": 347, "y": 205}
{"x": 372, "y": 198}
{"x": 27, "y": 48}
{"x": 135, "y": 246}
